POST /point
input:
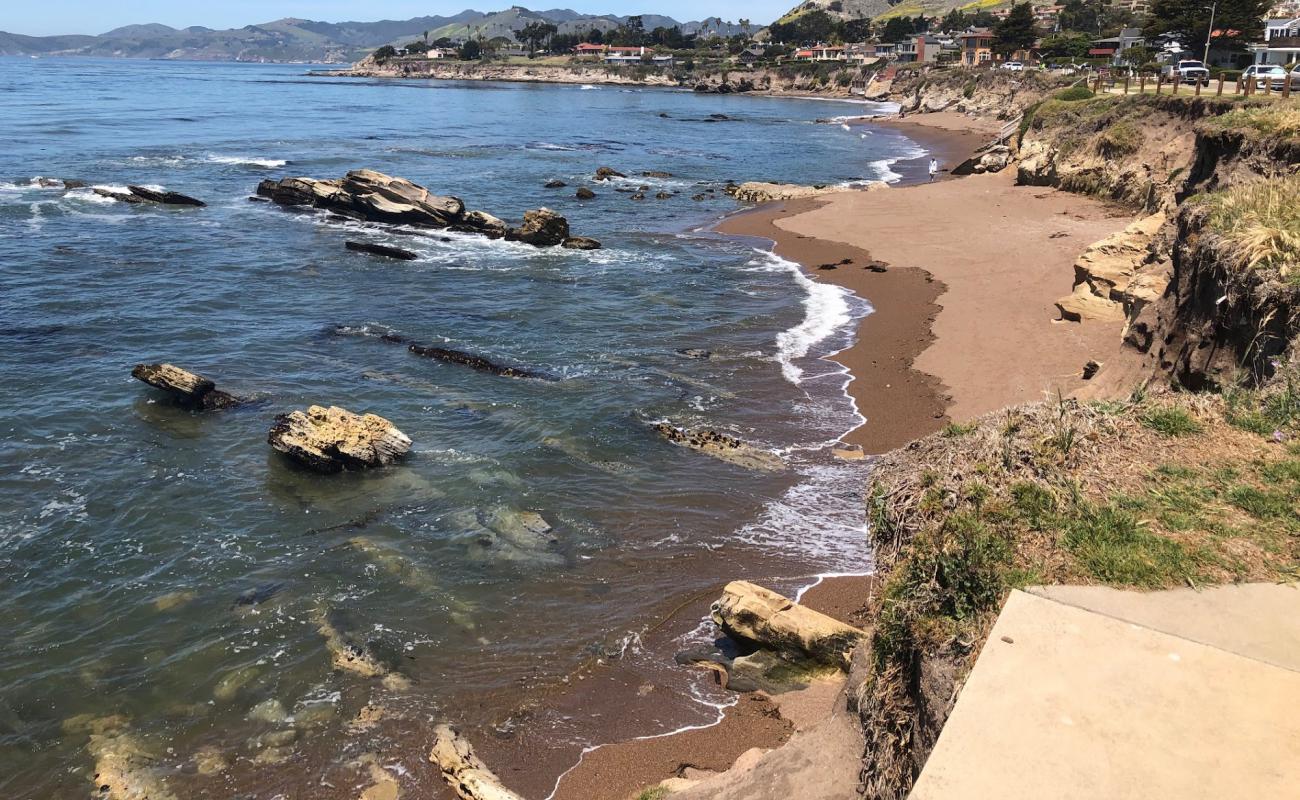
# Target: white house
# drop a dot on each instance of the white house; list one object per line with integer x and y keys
{"x": 1281, "y": 42}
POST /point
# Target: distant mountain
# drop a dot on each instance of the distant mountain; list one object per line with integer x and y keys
{"x": 301, "y": 40}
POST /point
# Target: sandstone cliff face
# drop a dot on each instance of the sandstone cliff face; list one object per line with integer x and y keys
{"x": 999, "y": 95}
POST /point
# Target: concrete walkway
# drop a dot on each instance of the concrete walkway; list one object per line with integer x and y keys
{"x": 1087, "y": 692}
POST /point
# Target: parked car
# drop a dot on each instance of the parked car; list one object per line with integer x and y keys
{"x": 1270, "y": 75}
{"x": 1013, "y": 66}
{"x": 1188, "y": 71}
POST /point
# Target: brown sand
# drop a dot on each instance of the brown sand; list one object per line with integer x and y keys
{"x": 984, "y": 333}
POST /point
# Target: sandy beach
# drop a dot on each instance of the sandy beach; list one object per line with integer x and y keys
{"x": 971, "y": 270}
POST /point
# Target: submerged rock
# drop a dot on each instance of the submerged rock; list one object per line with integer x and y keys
{"x": 584, "y": 193}
{"x": 723, "y": 447}
{"x": 555, "y": 184}
{"x": 348, "y": 652}
{"x": 381, "y": 250}
{"x": 140, "y": 194}
{"x": 653, "y": 173}
{"x": 581, "y": 243}
{"x": 414, "y": 577}
{"x": 468, "y": 777}
{"x": 470, "y": 360}
{"x": 186, "y": 387}
{"x": 606, "y": 173}
{"x": 125, "y": 769}
{"x": 334, "y": 439}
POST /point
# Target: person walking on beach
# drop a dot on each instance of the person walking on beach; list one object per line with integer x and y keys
{"x": 934, "y": 167}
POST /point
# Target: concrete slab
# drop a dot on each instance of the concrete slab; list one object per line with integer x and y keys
{"x": 1067, "y": 703}
{"x": 1257, "y": 620}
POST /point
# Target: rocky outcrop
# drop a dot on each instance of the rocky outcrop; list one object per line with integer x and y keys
{"x": 472, "y": 361}
{"x": 350, "y": 652}
{"x": 381, "y": 250}
{"x": 584, "y": 193}
{"x": 606, "y": 173}
{"x": 751, "y": 613}
{"x": 124, "y": 768}
{"x": 722, "y": 447}
{"x": 1105, "y": 271}
{"x": 189, "y": 389}
{"x": 467, "y": 776}
{"x": 334, "y": 439}
{"x": 761, "y": 192}
{"x": 372, "y": 196}
{"x": 541, "y": 227}
{"x": 140, "y": 194}
{"x": 581, "y": 243}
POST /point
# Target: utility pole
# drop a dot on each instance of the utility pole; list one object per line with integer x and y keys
{"x": 1205, "y": 59}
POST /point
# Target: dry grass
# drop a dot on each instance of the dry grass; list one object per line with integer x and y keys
{"x": 1260, "y": 222}
{"x": 1280, "y": 118}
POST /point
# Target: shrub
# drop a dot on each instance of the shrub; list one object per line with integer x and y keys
{"x": 1073, "y": 93}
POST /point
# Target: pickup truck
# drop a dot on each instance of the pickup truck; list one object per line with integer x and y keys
{"x": 1192, "y": 72}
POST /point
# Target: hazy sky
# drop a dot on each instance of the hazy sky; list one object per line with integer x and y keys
{"x": 43, "y": 17}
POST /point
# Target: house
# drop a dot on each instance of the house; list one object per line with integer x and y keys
{"x": 589, "y": 49}
{"x": 886, "y": 50}
{"x": 1114, "y": 46}
{"x": 636, "y": 55}
{"x": 442, "y": 52}
{"x": 806, "y": 54}
{"x": 820, "y": 52}
{"x": 860, "y": 53}
{"x": 753, "y": 52}
{"x": 1281, "y": 43}
{"x": 976, "y": 47}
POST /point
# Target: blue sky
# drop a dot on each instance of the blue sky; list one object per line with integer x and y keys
{"x": 44, "y": 17}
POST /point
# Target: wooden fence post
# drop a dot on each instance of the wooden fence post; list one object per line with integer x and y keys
{"x": 1268, "y": 86}
{"x": 1160, "y": 79}
{"x": 1198, "y": 87}
{"x": 1126, "y": 83}
{"x": 1286, "y": 87}
{"x": 1177, "y": 79}
{"x": 1219, "y": 92}
{"x": 1142, "y": 83}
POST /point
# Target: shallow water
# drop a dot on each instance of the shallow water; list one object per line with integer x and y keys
{"x": 170, "y": 568}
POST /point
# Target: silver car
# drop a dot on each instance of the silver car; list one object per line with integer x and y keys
{"x": 1270, "y": 76}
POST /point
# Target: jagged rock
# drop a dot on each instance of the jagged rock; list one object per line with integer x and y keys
{"x": 334, "y": 439}
{"x": 584, "y": 193}
{"x": 165, "y": 197}
{"x": 722, "y": 447}
{"x": 467, "y": 776}
{"x": 472, "y": 361}
{"x": 652, "y": 173}
{"x": 995, "y": 160}
{"x": 541, "y": 227}
{"x": 484, "y": 223}
{"x": 1104, "y": 271}
{"x": 349, "y": 652}
{"x": 695, "y": 352}
{"x": 605, "y": 173}
{"x": 638, "y": 196}
{"x": 381, "y": 250}
{"x": 370, "y": 195}
{"x": 663, "y": 195}
{"x": 556, "y": 184}
{"x": 753, "y": 613}
{"x": 581, "y": 243}
{"x": 188, "y": 388}
{"x": 74, "y": 184}
{"x": 698, "y": 197}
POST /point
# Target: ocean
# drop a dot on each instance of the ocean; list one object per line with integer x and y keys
{"x": 164, "y": 573}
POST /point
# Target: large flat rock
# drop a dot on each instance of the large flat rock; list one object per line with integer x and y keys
{"x": 1066, "y": 702}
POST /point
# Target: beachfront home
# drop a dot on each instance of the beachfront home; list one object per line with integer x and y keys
{"x": 820, "y": 52}
{"x": 442, "y": 52}
{"x": 1113, "y": 47}
{"x": 636, "y": 55}
{"x": 753, "y": 52}
{"x": 976, "y": 47}
{"x": 923, "y": 48}
{"x": 1281, "y": 43}
{"x": 589, "y": 49}
{"x": 886, "y": 50}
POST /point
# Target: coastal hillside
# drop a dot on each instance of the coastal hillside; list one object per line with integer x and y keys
{"x": 877, "y": 9}
{"x": 303, "y": 40}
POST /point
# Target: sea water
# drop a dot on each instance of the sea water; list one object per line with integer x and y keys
{"x": 169, "y": 570}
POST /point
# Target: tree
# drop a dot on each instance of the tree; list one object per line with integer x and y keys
{"x": 1066, "y": 45}
{"x": 856, "y": 30}
{"x": 416, "y": 48}
{"x": 471, "y": 50}
{"x": 386, "y": 52}
{"x": 534, "y": 33}
{"x": 1189, "y": 21}
{"x": 1016, "y": 32}
{"x": 897, "y": 29}
{"x": 810, "y": 28}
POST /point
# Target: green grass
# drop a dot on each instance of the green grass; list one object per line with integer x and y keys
{"x": 1275, "y": 118}
{"x": 1171, "y": 421}
{"x": 1261, "y": 503}
{"x": 953, "y": 429}
{"x": 1113, "y": 546}
{"x": 1074, "y": 93}
{"x": 656, "y": 793}
{"x": 1121, "y": 139}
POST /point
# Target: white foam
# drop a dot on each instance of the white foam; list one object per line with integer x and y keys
{"x": 586, "y": 87}
{"x": 826, "y": 310}
{"x": 247, "y": 161}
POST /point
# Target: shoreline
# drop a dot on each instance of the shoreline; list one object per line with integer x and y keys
{"x": 904, "y": 301}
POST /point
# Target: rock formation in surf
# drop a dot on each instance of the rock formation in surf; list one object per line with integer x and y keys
{"x": 334, "y": 439}
{"x": 467, "y": 776}
{"x": 381, "y": 250}
{"x": 141, "y": 194}
{"x": 372, "y": 196}
{"x": 722, "y": 447}
{"x": 752, "y": 613}
{"x": 186, "y": 387}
